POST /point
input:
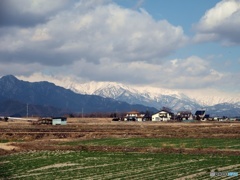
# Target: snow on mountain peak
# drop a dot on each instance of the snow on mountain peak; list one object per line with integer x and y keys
{"x": 137, "y": 94}
{"x": 112, "y": 88}
{"x": 117, "y": 90}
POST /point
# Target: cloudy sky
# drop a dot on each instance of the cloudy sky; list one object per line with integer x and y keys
{"x": 180, "y": 45}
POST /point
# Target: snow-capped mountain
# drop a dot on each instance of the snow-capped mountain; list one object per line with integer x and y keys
{"x": 224, "y": 109}
{"x": 154, "y": 97}
{"x": 214, "y": 100}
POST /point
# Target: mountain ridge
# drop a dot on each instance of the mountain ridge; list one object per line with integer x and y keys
{"x": 152, "y": 92}
{"x": 48, "y": 94}
{"x": 204, "y": 97}
{"x": 157, "y": 98}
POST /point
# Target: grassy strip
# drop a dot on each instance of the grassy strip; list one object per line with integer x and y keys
{"x": 4, "y": 141}
{"x": 162, "y": 142}
{"x": 7, "y": 141}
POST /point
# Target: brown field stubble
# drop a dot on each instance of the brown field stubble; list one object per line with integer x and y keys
{"x": 47, "y": 137}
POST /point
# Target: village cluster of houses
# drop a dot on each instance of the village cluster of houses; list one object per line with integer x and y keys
{"x": 167, "y": 115}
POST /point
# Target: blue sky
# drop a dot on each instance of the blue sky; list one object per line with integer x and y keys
{"x": 186, "y": 13}
{"x": 186, "y": 45}
{"x": 179, "y": 13}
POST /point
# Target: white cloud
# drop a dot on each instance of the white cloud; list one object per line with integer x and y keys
{"x": 41, "y": 35}
{"x": 193, "y": 72}
{"x": 100, "y": 40}
{"x": 38, "y": 7}
{"x": 29, "y": 13}
{"x": 221, "y": 23}
{"x": 92, "y": 32}
{"x": 138, "y": 4}
{"x": 20, "y": 68}
{"x": 190, "y": 74}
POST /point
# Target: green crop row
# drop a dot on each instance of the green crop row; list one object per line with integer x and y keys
{"x": 109, "y": 165}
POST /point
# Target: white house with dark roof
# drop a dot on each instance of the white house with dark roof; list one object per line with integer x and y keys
{"x": 133, "y": 116}
{"x": 184, "y": 115}
{"x": 163, "y": 115}
{"x": 200, "y": 114}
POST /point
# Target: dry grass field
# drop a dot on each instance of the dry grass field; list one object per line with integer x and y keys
{"x": 189, "y": 141}
{"x": 26, "y": 136}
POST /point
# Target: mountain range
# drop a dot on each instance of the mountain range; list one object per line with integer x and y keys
{"x": 54, "y": 100}
{"x": 73, "y": 97}
{"x": 158, "y": 98}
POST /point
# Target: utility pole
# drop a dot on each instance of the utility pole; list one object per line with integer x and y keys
{"x": 27, "y": 110}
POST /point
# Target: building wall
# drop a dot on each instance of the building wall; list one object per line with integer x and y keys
{"x": 155, "y": 117}
{"x": 59, "y": 121}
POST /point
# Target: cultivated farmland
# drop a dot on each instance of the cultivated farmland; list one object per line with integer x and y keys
{"x": 101, "y": 149}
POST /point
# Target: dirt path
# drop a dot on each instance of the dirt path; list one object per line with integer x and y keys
{"x": 8, "y": 146}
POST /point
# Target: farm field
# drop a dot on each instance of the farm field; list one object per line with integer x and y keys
{"x": 101, "y": 149}
{"x": 108, "y": 165}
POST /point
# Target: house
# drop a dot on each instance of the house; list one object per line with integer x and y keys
{"x": 59, "y": 121}
{"x": 184, "y": 115}
{"x": 163, "y": 115}
{"x": 200, "y": 114}
{"x": 232, "y": 119}
{"x": 133, "y": 116}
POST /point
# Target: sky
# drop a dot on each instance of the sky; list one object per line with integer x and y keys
{"x": 180, "y": 45}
